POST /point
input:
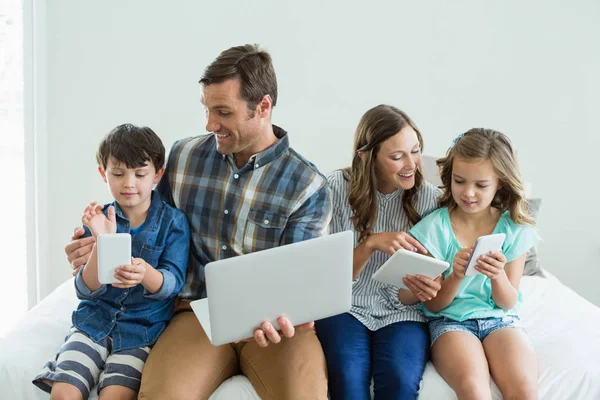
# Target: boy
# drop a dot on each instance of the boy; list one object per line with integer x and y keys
{"x": 115, "y": 325}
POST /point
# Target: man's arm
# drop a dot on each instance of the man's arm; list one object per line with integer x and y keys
{"x": 310, "y": 220}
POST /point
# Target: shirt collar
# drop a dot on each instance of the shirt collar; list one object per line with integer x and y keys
{"x": 151, "y": 218}
{"x": 269, "y": 154}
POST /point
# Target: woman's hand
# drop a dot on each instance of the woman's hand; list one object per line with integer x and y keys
{"x": 390, "y": 242}
{"x": 422, "y": 287}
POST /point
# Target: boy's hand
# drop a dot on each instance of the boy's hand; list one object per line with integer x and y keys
{"x": 132, "y": 274}
{"x": 94, "y": 219}
{"x": 461, "y": 260}
{"x": 491, "y": 265}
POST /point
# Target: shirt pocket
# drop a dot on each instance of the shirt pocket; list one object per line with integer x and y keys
{"x": 263, "y": 230}
{"x": 151, "y": 254}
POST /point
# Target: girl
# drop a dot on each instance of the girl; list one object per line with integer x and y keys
{"x": 385, "y": 334}
{"x": 473, "y": 321}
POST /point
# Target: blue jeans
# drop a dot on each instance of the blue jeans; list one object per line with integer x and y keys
{"x": 394, "y": 355}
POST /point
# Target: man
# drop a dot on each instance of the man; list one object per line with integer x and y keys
{"x": 243, "y": 189}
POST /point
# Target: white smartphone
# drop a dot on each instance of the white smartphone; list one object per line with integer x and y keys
{"x": 483, "y": 245}
{"x": 403, "y": 263}
{"x": 114, "y": 250}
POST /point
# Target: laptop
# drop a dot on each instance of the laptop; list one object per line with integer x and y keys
{"x": 303, "y": 281}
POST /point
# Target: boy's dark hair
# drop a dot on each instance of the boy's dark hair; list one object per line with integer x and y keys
{"x": 252, "y": 66}
{"x": 132, "y": 145}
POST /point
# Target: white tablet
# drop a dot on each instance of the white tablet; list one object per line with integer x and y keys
{"x": 114, "y": 250}
{"x": 403, "y": 263}
{"x": 484, "y": 245}
{"x": 303, "y": 281}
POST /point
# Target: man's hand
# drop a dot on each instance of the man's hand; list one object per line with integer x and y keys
{"x": 132, "y": 274}
{"x": 268, "y": 334}
{"x": 78, "y": 250}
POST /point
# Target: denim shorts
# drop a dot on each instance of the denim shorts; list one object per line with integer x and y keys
{"x": 481, "y": 328}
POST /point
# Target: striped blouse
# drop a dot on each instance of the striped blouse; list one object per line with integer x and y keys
{"x": 376, "y": 304}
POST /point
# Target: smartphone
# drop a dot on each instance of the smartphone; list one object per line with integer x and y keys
{"x": 483, "y": 245}
{"x": 114, "y": 250}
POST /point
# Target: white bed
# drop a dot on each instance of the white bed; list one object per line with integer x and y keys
{"x": 564, "y": 329}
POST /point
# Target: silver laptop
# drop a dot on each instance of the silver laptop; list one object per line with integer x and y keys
{"x": 303, "y": 281}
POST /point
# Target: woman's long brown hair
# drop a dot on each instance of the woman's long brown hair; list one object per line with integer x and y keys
{"x": 375, "y": 127}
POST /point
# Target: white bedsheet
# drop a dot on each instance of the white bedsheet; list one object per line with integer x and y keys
{"x": 563, "y": 327}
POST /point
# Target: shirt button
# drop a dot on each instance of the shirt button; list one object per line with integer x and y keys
{"x": 256, "y": 165}
{"x": 236, "y": 176}
{"x": 224, "y": 247}
{"x": 122, "y": 308}
{"x": 226, "y": 212}
{"x": 266, "y": 222}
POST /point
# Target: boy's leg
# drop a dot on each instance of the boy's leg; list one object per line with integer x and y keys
{"x": 122, "y": 372}
{"x": 400, "y": 352}
{"x": 117, "y": 393}
{"x": 346, "y": 343}
{"x": 183, "y": 364}
{"x": 65, "y": 391}
{"x": 291, "y": 369}
{"x": 512, "y": 363}
{"x": 77, "y": 366}
{"x": 459, "y": 358}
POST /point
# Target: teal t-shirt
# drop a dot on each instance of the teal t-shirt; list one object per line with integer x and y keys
{"x": 474, "y": 296}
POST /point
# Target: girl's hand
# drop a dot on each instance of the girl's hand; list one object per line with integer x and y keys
{"x": 131, "y": 275}
{"x": 461, "y": 260}
{"x": 390, "y": 242}
{"x": 94, "y": 219}
{"x": 491, "y": 265}
{"x": 422, "y": 287}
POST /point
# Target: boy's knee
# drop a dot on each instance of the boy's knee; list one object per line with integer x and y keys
{"x": 63, "y": 391}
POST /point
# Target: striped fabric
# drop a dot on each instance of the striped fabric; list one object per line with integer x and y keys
{"x": 376, "y": 304}
{"x": 85, "y": 364}
{"x": 277, "y": 198}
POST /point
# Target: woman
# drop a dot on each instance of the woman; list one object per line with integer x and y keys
{"x": 385, "y": 335}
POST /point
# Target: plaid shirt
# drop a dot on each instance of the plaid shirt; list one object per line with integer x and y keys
{"x": 277, "y": 198}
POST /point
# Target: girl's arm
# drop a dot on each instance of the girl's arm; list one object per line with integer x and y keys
{"x": 505, "y": 285}
{"x": 445, "y": 295}
{"x": 451, "y": 284}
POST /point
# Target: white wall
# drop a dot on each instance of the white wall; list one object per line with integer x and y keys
{"x": 528, "y": 68}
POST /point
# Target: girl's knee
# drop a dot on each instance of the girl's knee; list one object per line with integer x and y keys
{"x": 525, "y": 390}
{"x": 472, "y": 388}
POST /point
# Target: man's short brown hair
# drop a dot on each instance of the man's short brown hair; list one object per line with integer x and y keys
{"x": 252, "y": 66}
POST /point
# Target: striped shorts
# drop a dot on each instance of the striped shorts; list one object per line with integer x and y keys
{"x": 84, "y": 364}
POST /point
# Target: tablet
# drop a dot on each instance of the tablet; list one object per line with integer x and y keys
{"x": 114, "y": 250}
{"x": 483, "y": 245}
{"x": 303, "y": 281}
{"x": 403, "y": 263}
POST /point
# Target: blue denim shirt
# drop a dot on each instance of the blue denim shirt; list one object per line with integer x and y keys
{"x": 134, "y": 317}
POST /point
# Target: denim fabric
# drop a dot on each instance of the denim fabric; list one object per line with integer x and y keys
{"x": 134, "y": 317}
{"x": 395, "y": 356}
{"x": 481, "y": 328}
